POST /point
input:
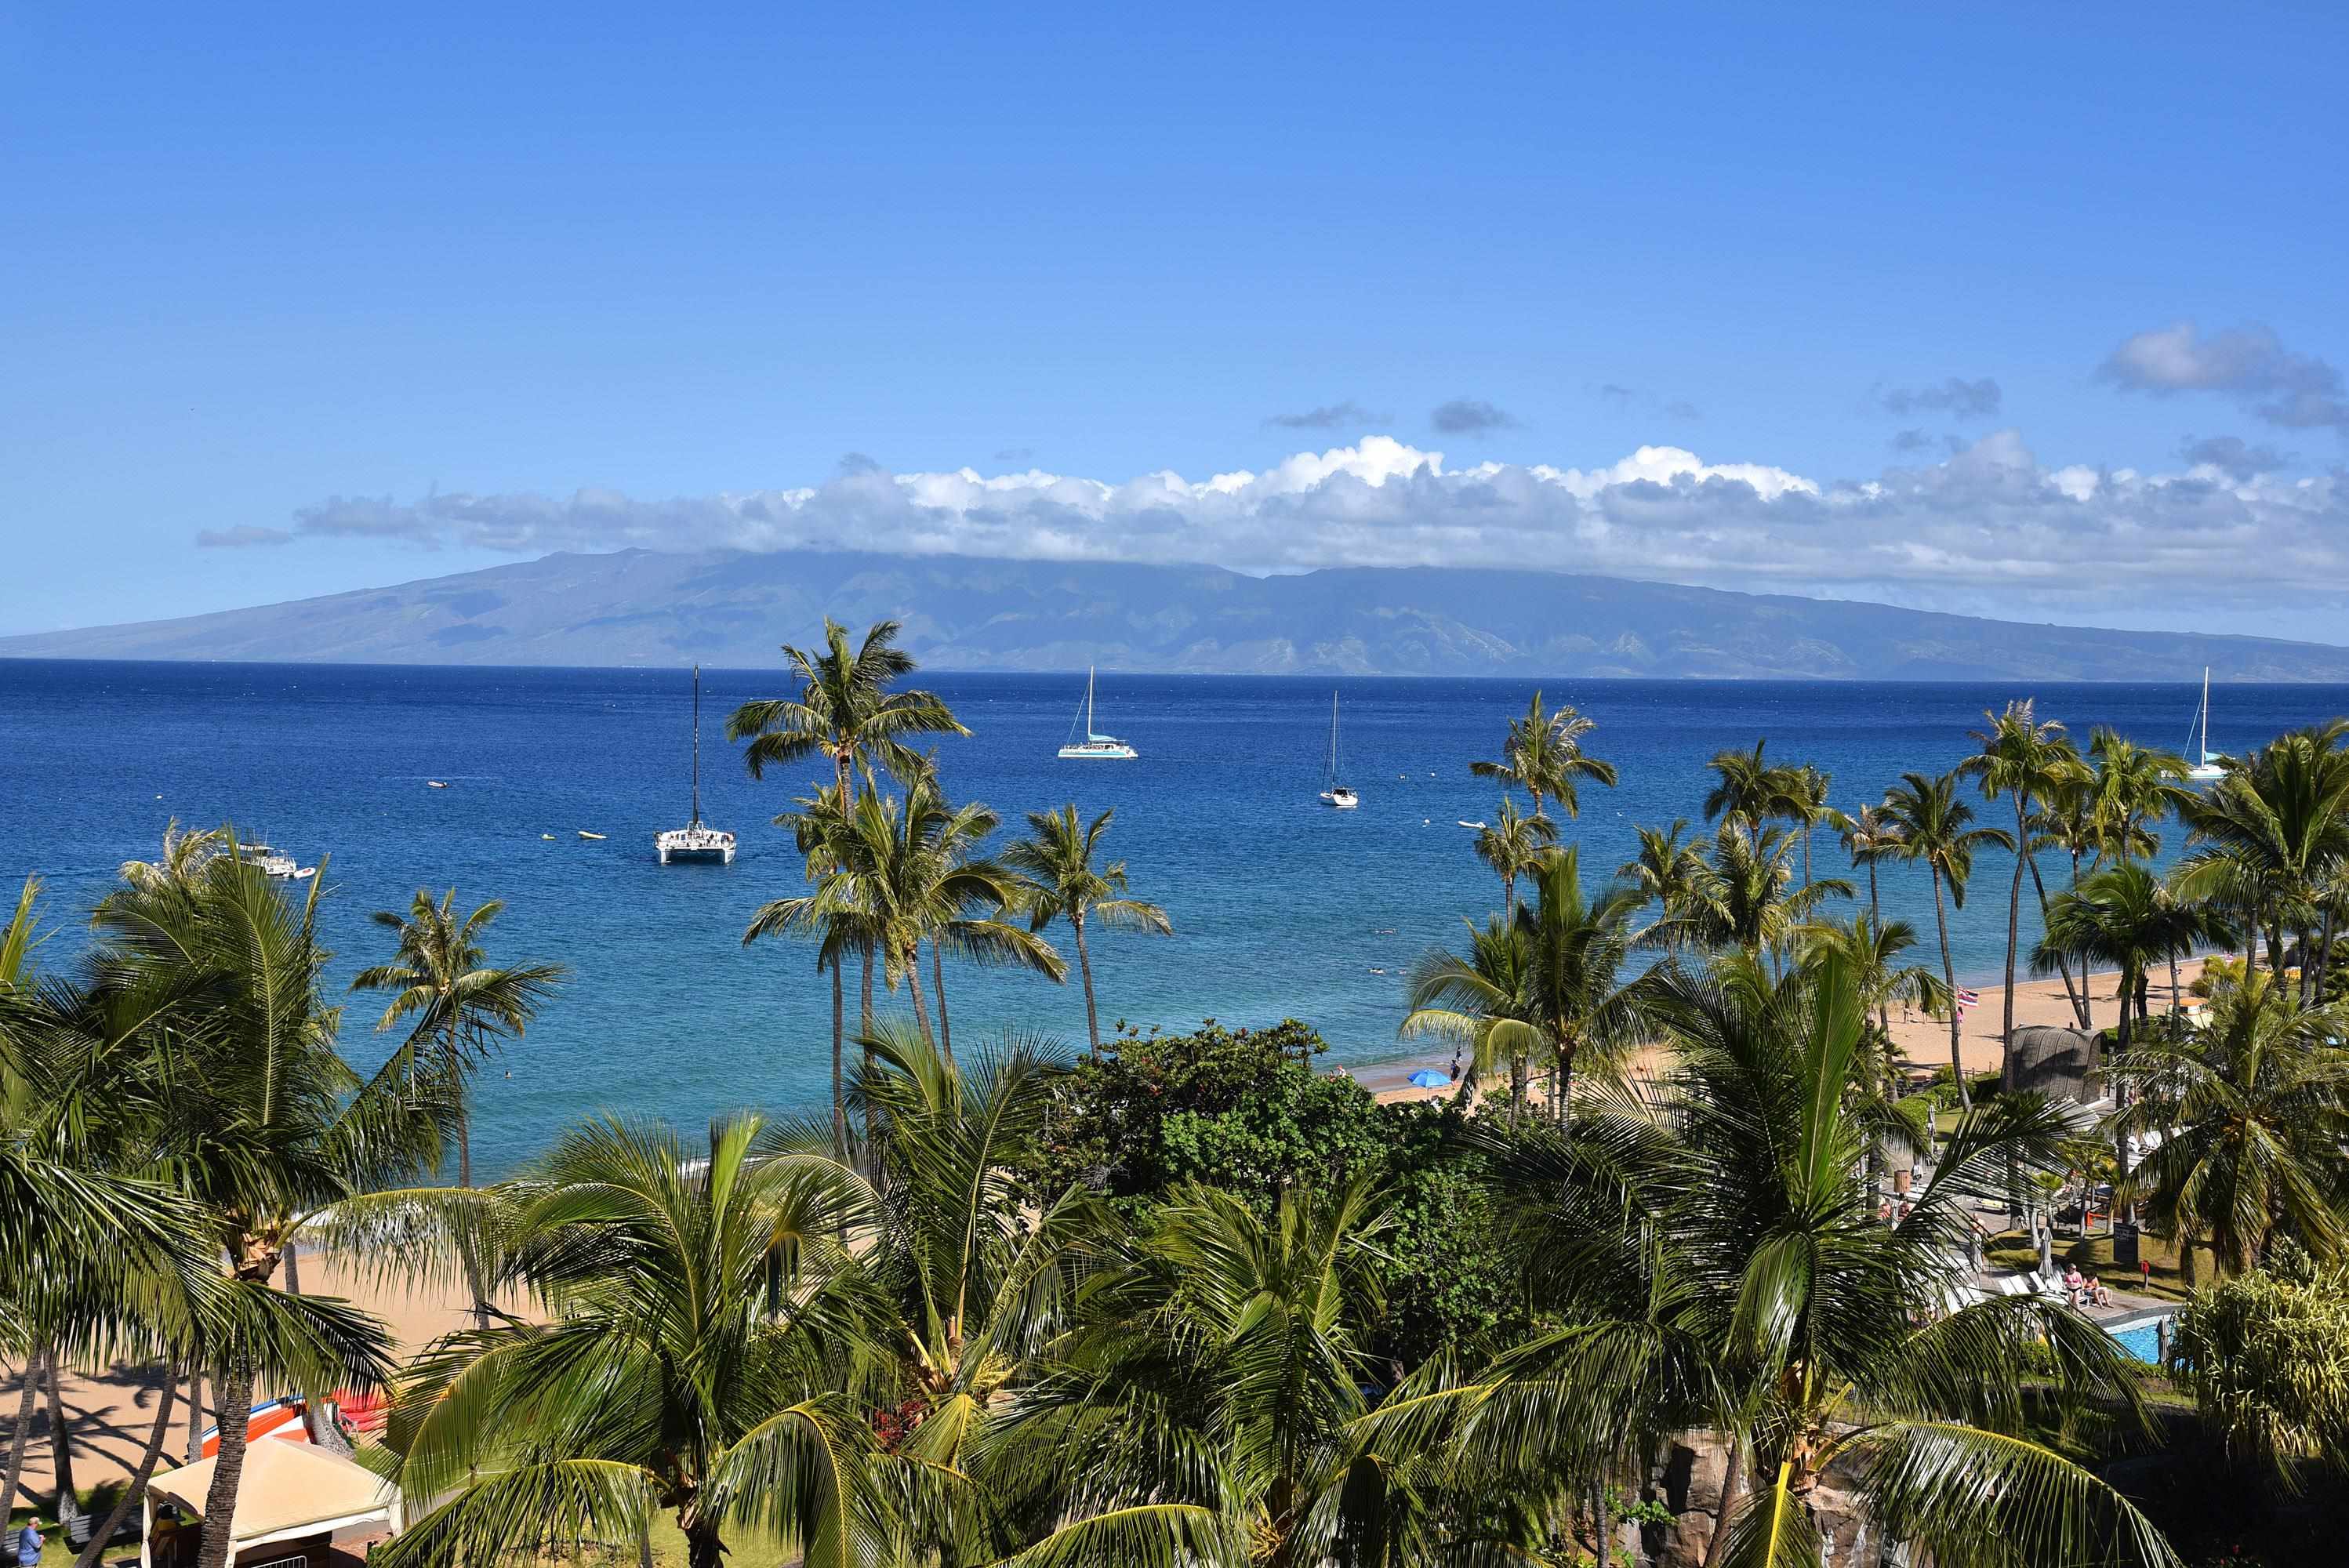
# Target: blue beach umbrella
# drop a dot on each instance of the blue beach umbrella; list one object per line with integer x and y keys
{"x": 1428, "y": 1078}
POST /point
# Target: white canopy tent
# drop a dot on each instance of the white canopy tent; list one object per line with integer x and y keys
{"x": 289, "y": 1492}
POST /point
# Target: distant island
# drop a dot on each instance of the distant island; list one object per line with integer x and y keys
{"x": 731, "y": 608}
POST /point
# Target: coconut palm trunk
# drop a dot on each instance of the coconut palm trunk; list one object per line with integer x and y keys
{"x": 938, "y": 984}
{"x": 2078, "y": 998}
{"x": 839, "y": 1084}
{"x": 2014, "y": 916}
{"x": 1732, "y": 1484}
{"x": 464, "y": 1130}
{"x": 195, "y": 1408}
{"x": 912, "y": 959}
{"x": 165, "y": 1398}
{"x": 67, "y": 1506}
{"x": 1949, "y": 978}
{"x": 234, "y": 1395}
{"x": 27, "y": 1398}
{"x": 1085, "y": 971}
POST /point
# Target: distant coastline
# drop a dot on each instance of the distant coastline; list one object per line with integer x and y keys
{"x": 730, "y": 609}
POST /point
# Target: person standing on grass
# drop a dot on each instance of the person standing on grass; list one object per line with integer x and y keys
{"x": 28, "y": 1544}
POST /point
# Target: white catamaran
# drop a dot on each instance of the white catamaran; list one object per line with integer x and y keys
{"x": 2210, "y": 765}
{"x": 1332, "y": 792}
{"x": 695, "y": 843}
{"x": 1094, "y": 747}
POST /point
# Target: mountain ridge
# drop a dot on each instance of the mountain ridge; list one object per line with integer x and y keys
{"x": 729, "y": 607}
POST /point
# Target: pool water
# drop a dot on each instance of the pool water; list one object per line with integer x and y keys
{"x": 2142, "y": 1338}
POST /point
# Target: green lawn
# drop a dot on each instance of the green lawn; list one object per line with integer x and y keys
{"x": 2095, "y": 1255}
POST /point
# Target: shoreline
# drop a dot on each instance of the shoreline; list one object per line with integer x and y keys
{"x": 1923, "y": 1042}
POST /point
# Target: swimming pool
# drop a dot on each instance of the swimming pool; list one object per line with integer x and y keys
{"x": 2140, "y": 1336}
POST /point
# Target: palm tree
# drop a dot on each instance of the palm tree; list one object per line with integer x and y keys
{"x": 1744, "y": 895}
{"x": 846, "y": 711}
{"x": 1667, "y": 873}
{"x": 1706, "y": 1254}
{"x": 1569, "y": 998}
{"x": 909, "y": 874}
{"x": 2131, "y": 787}
{"x": 105, "y": 1261}
{"x": 1223, "y": 1362}
{"x": 1806, "y": 806}
{"x": 2270, "y": 836}
{"x": 704, "y": 1334}
{"x": 1058, "y": 881}
{"x": 1934, "y": 828}
{"x": 1482, "y": 1001}
{"x": 1870, "y": 951}
{"x": 1543, "y": 756}
{"x": 844, "y": 926}
{"x": 461, "y": 1005}
{"x": 2252, "y": 1111}
{"x": 184, "y": 854}
{"x": 2120, "y": 916}
{"x": 2025, "y": 758}
{"x": 1748, "y": 789}
{"x": 1869, "y": 837}
{"x": 2066, "y": 821}
{"x": 1510, "y": 844}
{"x": 252, "y": 1112}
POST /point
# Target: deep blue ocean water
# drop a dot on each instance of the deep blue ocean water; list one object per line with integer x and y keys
{"x": 1281, "y": 907}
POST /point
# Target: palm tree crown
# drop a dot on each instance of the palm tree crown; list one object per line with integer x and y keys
{"x": 1543, "y": 756}
{"x": 2253, "y": 1113}
{"x": 846, "y": 711}
{"x": 1059, "y": 880}
{"x": 461, "y": 1004}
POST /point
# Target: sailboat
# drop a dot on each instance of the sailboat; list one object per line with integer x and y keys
{"x": 1334, "y": 792}
{"x": 696, "y": 842}
{"x": 2211, "y": 766}
{"x": 1094, "y": 747}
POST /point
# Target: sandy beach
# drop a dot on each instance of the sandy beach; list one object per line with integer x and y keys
{"x": 110, "y": 1411}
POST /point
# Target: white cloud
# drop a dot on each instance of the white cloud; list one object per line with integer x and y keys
{"x": 2298, "y": 391}
{"x": 1987, "y": 524}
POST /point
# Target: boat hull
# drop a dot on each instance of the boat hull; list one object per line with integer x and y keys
{"x": 695, "y": 846}
{"x": 1116, "y": 752}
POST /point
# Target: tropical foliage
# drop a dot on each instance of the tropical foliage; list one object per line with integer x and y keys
{"x": 1193, "y": 1298}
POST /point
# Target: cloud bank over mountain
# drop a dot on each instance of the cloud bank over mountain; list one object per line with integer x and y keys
{"x": 1988, "y": 524}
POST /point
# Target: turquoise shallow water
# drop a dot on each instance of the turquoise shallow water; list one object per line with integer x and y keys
{"x": 1281, "y": 907}
{"x": 2142, "y": 1339}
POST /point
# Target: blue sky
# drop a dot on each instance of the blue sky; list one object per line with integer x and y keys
{"x": 596, "y": 276}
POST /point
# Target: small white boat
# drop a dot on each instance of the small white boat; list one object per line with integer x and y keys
{"x": 1478, "y": 826}
{"x": 1095, "y": 748}
{"x": 585, "y": 834}
{"x": 696, "y": 842}
{"x": 1333, "y": 793}
{"x": 434, "y": 784}
{"x": 269, "y": 862}
{"x": 546, "y": 835}
{"x": 2210, "y": 765}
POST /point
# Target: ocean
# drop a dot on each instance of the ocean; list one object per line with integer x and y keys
{"x": 1281, "y": 907}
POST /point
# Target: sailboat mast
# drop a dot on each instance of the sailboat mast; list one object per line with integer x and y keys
{"x": 1333, "y": 740}
{"x": 2206, "y": 715}
{"x": 697, "y": 745}
{"x": 1089, "y": 702}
